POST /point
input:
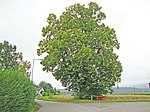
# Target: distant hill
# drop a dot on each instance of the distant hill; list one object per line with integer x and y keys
{"x": 65, "y": 91}
{"x": 125, "y": 90}
{"x": 142, "y": 85}
{"x": 121, "y": 90}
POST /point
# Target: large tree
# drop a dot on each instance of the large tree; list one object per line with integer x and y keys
{"x": 79, "y": 50}
{"x": 11, "y": 59}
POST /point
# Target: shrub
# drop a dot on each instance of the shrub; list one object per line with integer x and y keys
{"x": 17, "y": 92}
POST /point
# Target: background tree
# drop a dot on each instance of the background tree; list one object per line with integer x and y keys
{"x": 46, "y": 86}
{"x": 79, "y": 50}
{"x": 10, "y": 58}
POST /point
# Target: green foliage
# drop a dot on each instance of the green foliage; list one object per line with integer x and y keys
{"x": 47, "y": 87}
{"x": 80, "y": 50}
{"x": 10, "y": 58}
{"x": 17, "y": 92}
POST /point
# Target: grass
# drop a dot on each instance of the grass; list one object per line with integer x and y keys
{"x": 110, "y": 98}
{"x": 35, "y": 107}
{"x": 129, "y": 98}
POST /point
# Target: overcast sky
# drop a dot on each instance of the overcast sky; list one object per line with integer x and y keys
{"x": 21, "y": 22}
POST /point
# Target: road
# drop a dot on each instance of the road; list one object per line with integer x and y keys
{"x": 47, "y": 106}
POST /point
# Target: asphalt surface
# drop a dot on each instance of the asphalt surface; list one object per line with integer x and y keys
{"x": 47, "y": 106}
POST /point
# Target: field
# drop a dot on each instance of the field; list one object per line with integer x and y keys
{"x": 145, "y": 97}
{"x": 129, "y": 98}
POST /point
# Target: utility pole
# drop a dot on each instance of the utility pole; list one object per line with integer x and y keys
{"x": 149, "y": 86}
{"x": 134, "y": 89}
{"x": 33, "y": 68}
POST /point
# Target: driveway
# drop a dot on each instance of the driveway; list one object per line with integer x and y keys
{"x": 47, "y": 106}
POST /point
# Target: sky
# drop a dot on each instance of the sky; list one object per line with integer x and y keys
{"x": 21, "y": 22}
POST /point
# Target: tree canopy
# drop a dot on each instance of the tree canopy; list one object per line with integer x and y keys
{"x": 11, "y": 59}
{"x": 46, "y": 86}
{"x": 79, "y": 50}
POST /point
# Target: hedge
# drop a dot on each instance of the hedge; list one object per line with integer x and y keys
{"x": 17, "y": 92}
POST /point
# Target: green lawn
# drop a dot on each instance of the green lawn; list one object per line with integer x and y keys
{"x": 110, "y": 98}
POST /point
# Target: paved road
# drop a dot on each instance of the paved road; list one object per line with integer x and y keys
{"x": 94, "y": 107}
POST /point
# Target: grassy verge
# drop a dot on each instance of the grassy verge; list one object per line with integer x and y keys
{"x": 35, "y": 107}
{"x": 110, "y": 98}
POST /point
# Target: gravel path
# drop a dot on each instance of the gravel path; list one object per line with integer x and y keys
{"x": 47, "y": 106}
